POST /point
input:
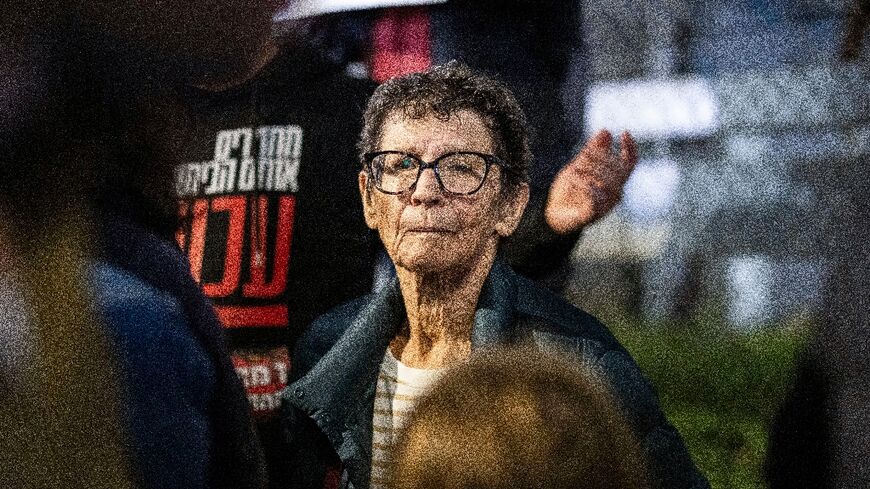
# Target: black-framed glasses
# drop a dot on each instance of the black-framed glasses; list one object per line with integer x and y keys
{"x": 459, "y": 172}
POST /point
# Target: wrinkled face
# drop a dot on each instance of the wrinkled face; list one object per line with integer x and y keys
{"x": 426, "y": 229}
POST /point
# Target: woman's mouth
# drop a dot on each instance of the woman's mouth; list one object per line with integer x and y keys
{"x": 428, "y": 229}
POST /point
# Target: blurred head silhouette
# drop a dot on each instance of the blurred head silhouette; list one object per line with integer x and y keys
{"x": 518, "y": 419}
{"x": 86, "y": 101}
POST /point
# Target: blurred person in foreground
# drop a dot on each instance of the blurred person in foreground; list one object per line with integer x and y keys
{"x": 820, "y": 436}
{"x": 518, "y": 419}
{"x": 445, "y": 156}
{"x": 127, "y": 382}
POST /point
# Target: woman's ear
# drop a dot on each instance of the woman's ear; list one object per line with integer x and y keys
{"x": 366, "y": 196}
{"x": 513, "y": 204}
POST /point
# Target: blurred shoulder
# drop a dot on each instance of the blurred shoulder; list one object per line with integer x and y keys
{"x": 130, "y": 304}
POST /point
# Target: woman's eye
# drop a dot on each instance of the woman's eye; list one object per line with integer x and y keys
{"x": 406, "y": 163}
{"x": 459, "y": 167}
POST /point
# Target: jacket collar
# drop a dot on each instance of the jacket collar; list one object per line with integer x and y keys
{"x": 338, "y": 393}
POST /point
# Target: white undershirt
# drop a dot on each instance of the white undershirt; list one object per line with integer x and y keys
{"x": 398, "y": 390}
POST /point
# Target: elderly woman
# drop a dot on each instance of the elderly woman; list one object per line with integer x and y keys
{"x": 445, "y": 155}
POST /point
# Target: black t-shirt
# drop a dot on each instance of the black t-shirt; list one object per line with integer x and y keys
{"x": 273, "y": 222}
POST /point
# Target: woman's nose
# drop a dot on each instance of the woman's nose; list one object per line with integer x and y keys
{"x": 427, "y": 188}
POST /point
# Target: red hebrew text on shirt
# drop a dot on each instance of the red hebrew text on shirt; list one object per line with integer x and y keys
{"x": 264, "y": 375}
{"x": 239, "y": 209}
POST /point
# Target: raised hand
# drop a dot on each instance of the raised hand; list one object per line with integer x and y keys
{"x": 590, "y": 185}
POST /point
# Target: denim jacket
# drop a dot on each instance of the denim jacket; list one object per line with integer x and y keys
{"x": 328, "y": 408}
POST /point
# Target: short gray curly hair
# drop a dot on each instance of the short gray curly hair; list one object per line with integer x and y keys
{"x": 442, "y": 91}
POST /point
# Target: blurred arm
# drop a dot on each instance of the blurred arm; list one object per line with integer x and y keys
{"x": 585, "y": 190}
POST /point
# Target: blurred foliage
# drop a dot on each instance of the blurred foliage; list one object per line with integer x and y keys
{"x": 721, "y": 388}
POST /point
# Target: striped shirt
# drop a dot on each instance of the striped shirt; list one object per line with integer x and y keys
{"x": 399, "y": 387}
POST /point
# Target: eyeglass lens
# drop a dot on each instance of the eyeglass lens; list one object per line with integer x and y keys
{"x": 458, "y": 172}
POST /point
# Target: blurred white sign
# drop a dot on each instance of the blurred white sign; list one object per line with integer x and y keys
{"x": 650, "y": 191}
{"x": 298, "y": 9}
{"x": 653, "y": 109}
{"x": 750, "y": 290}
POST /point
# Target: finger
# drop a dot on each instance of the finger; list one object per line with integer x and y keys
{"x": 602, "y": 139}
{"x": 600, "y": 143}
{"x": 580, "y": 161}
{"x": 628, "y": 153}
{"x": 596, "y": 149}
